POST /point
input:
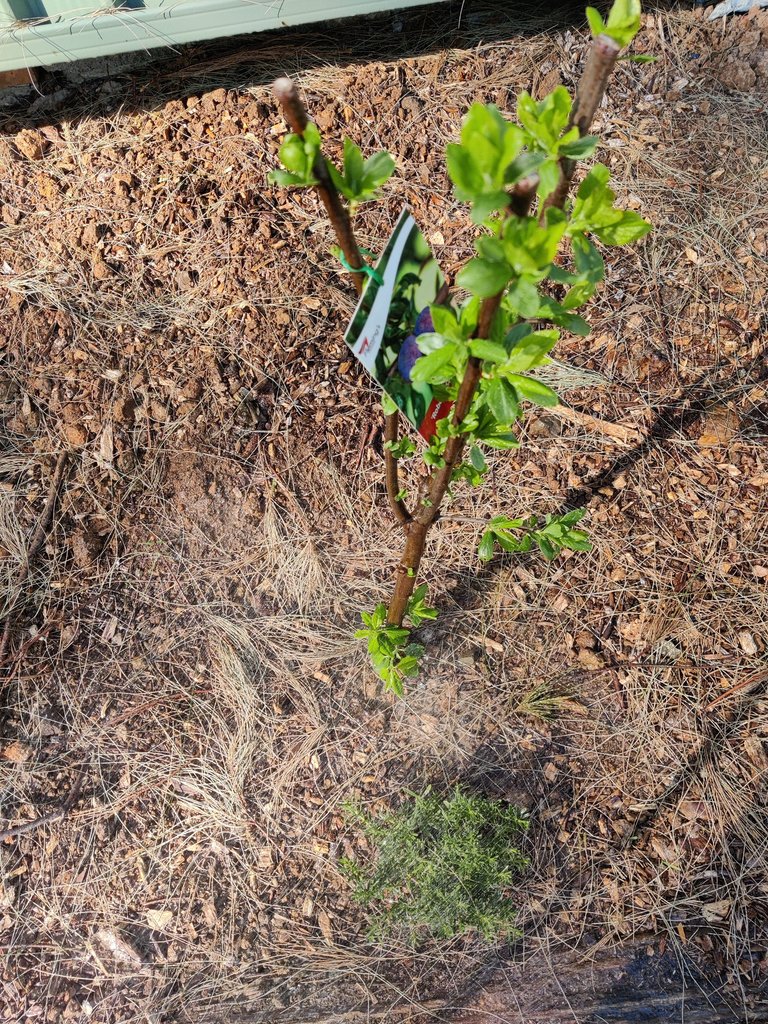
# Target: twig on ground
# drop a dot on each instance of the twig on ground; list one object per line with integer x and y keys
{"x": 616, "y": 431}
{"x": 45, "y": 819}
{"x": 740, "y": 687}
{"x": 35, "y": 546}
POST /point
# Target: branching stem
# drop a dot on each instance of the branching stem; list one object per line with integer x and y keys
{"x": 601, "y": 61}
{"x": 440, "y": 479}
{"x": 287, "y": 95}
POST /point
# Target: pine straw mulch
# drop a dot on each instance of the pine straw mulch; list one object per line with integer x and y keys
{"x": 183, "y": 699}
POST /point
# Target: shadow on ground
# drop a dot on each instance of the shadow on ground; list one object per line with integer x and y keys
{"x": 145, "y": 81}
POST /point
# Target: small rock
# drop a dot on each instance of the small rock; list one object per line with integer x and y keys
{"x": 31, "y": 144}
{"x": 121, "y": 950}
{"x": 186, "y": 409}
{"x": 186, "y": 279}
{"x": 101, "y": 270}
{"x": 16, "y": 752}
{"x": 86, "y": 548}
{"x": 192, "y": 390}
{"x": 72, "y": 413}
{"x": 91, "y": 235}
{"x": 737, "y": 75}
{"x": 159, "y": 920}
{"x": 716, "y": 912}
{"x": 126, "y": 462}
{"x": 747, "y": 642}
{"x": 157, "y": 411}
{"x": 589, "y": 659}
{"x": 124, "y": 411}
{"x": 75, "y": 433}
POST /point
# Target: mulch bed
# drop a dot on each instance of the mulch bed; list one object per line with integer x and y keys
{"x": 181, "y": 683}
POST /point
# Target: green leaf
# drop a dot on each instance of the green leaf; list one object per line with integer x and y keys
{"x": 436, "y": 367}
{"x": 524, "y": 296}
{"x": 502, "y": 400}
{"x": 503, "y": 439}
{"x": 286, "y": 178}
{"x": 531, "y": 350}
{"x": 297, "y": 155}
{"x": 483, "y": 278}
{"x": 549, "y": 175}
{"x": 628, "y": 228}
{"x": 418, "y": 612}
{"x": 490, "y": 248}
{"x": 546, "y": 546}
{"x": 572, "y": 517}
{"x": 639, "y": 58}
{"x": 588, "y": 260}
{"x": 593, "y": 210}
{"x": 509, "y": 543}
{"x": 533, "y": 390}
{"x": 577, "y": 540}
{"x": 388, "y": 404}
{"x": 545, "y": 120}
{"x": 477, "y": 459}
{"x": 479, "y": 167}
{"x": 623, "y": 22}
{"x": 580, "y": 148}
{"x": 402, "y": 449}
{"x": 465, "y": 175}
{"x": 446, "y": 323}
{"x": 293, "y": 154}
{"x": 353, "y": 167}
{"x": 492, "y": 141}
{"x": 596, "y": 23}
{"x": 530, "y": 246}
{"x": 551, "y": 310}
{"x": 485, "y": 548}
{"x": 523, "y": 165}
{"x": 431, "y": 341}
{"x": 489, "y": 350}
{"x": 378, "y": 169}
{"x": 409, "y": 665}
{"x": 505, "y": 523}
{"x": 486, "y": 204}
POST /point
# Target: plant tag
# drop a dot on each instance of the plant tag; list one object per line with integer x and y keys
{"x": 389, "y": 318}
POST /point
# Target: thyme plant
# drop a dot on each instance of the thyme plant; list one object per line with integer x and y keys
{"x": 442, "y": 866}
{"x": 536, "y": 265}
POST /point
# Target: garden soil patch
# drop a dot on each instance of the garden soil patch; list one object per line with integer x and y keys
{"x": 185, "y": 709}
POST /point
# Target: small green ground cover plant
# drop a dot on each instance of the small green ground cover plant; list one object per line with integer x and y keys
{"x": 443, "y": 866}
{"x": 538, "y": 261}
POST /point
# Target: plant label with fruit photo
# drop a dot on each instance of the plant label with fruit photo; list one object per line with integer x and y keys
{"x": 391, "y": 315}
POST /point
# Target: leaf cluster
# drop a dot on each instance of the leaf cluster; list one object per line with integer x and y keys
{"x": 393, "y": 654}
{"x": 556, "y": 533}
{"x": 622, "y": 24}
{"x": 358, "y": 181}
{"x": 443, "y": 866}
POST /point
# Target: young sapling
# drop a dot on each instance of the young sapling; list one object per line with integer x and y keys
{"x": 536, "y": 264}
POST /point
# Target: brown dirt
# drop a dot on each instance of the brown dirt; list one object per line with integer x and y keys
{"x": 182, "y": 650}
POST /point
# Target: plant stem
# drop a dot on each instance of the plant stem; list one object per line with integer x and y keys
{"x": 287, "y": 95}
{"x": 296, "y": 116}
{"x": 589, "y": 93}
{"x": 407, "y": 570}
{"x": 401, "y": 513}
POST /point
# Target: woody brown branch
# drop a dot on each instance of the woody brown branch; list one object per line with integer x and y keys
{"x": 520, "y": 202}
{"x": 296, "y": 116}
{"x": 601, "y": 61}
